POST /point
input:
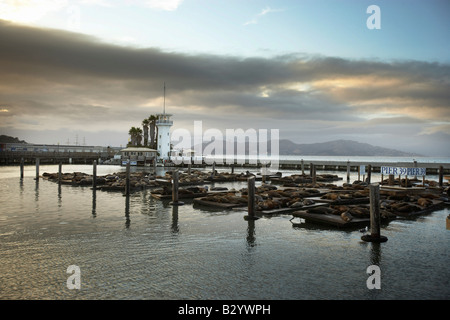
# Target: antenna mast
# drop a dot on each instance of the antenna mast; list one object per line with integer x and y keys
{"x": 164, "y": 98}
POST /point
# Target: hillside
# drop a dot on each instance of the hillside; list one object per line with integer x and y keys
{"x": 331, "y": 148}
{"x": 9, "y": 139}
{"x": 339, "y": 148}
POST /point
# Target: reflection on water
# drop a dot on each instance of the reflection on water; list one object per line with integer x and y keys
{"x": 375, "y": 253}
{"x": 251, "y": 237}
{"x": 137, "y": 247}
{"x": 175, "y": 229}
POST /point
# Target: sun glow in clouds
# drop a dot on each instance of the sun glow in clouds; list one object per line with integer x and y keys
{"x": 28, "y": 11}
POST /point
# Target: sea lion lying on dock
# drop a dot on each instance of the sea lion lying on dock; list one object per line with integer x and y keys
{"x": 404, "y": 207}
{"x": 331, "y": 196}
{"x": 322, "y": 210}
{"x": 346, "y": 216}
{"x": 423, "y": 202}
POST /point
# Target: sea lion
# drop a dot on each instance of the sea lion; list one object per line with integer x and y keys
{"x": 347, "y": 217}
{"x": 341, "y": 209}
{"x": 424, "y": 202}
{"x": 321, "y": 210}
{"x": 331, "y": 196}
{"x": 297, "y": 204}
{"x": 360, "y": 212}
{"x": 308, "y": 202}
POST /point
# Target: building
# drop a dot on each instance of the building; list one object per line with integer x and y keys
{"x": 138, "y": 156}
{"x": 163, "y": 123}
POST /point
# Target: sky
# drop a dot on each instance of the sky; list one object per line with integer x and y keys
{"x": 86, "y": 71}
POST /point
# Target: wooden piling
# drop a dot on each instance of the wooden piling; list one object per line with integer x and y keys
{"x": 189, "y": 168}
{"x": 415, "y": 166}
{"x": 94, "y": 175}
{"x": 21, "y": 168}
{"x": 369, "y": 173}
{"x": 175, "y": 200}
{"x": 311, "y": 169}
{"x": 314, "y": 177}
{"x": 375, "y": 218}
{"x": 303, "y": 168}
{"x": 127, "y": 181}
{"x": 37, "y": 169}
{"x": 60, "y": 172}
{"x": 391, "y": 180}
{"x": 232, "y": 168}
{"x": 251, "y": 199}
{"x": 441, "y": 176}
{"x": 348, "y": 171}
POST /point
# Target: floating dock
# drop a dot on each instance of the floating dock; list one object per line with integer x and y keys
{"x": 330, "y": 219}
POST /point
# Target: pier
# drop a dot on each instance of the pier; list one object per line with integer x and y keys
{"x": 29, "y": 157}
{"x": 335, "y": 165}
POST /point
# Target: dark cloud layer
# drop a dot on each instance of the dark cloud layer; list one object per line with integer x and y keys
{"x": 58, "y": 78}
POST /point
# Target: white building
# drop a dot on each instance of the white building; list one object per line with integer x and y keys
{"x": 163, "y": 123}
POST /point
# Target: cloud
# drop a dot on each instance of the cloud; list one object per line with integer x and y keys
{"x": 263, "y": 12}
{"x": 166, "y": 5}
{"x": 53, "y": 79}
{"x": 27, "y": 11}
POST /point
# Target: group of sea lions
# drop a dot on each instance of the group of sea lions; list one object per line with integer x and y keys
{"x": 115, "y": 181}
{"x": 267, "y": 197}
{"x": 193, "y": 190}
{"x": 349, "y": 212}
{"x": 199, "y": 177}
{"x": 296, "y": 179}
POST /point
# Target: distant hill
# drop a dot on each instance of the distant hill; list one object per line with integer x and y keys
{"x": 331, "y": 148}
{"x": 339, "y": 148}
{"x": 9, "y": 139}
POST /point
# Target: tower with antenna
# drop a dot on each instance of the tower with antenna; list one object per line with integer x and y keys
{"x": 163, "y": 123}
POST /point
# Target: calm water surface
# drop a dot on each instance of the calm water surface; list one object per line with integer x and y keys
{"x": 142, "y": 248}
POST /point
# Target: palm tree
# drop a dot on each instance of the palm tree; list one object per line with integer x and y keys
{"x": 145, "y": 124}
{"x": 152, "y": 122}
{"x": 132, "y": 133}
{"x": 136, "y": 136}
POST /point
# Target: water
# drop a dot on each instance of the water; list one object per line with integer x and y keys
{"x": 142, "y": 248}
